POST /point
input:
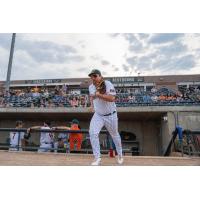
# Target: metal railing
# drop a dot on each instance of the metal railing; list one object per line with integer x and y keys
{"x": 18, "y": 147}
{"x": 187, "y": 142}
{"x": 192, "y": 146}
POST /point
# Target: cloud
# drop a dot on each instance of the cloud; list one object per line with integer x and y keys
{"x": 139, "y": 63}
{"x": 99, "y": 58}
{"x": 184, "y": 62}
{"x": 143, "y": 35}
{"x": 42, "y": 51}
{"x": 144, "y": 62}
{"x": 105, "y": 62}
{"x": 134, "y": 43}
{"x": 173, "y": 49}
{"x": 104, "y": 73}
{"x": 132, "y": 60}
{"x": 4, "y": 55}
{"x": 36, "y": 59}
{"x": 83, "y": 69}
{"x": 175, "y": 64}
{"x": 49, "y": 52}
{"x": 95, "y": 57}
{"x": 197, "y": 52}
{"x": 116, "y": 69}
{"x": 164, "y": 37}
{"x": 136, "y": 47}
{"x": 57, "y": 55}
{"x": 5, "y": 40}
{"x": 114, "y": 34}
{"x": 125, "y": 68}
{"x": 130, "y": 37}
{"x": 82, "y": 44}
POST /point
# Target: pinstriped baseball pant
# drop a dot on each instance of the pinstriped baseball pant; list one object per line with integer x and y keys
{"x": 111, "y": 124}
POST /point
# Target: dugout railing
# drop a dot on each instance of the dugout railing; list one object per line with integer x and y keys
{"x": 134, "y": 150}
{"x": 184, "y": 141}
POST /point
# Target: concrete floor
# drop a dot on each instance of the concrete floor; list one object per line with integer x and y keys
{"x": 51, "y": 159}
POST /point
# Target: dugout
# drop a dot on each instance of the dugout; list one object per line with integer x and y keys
{"x": 152, "y": 126}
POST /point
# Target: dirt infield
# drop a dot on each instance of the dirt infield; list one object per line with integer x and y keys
{"x": 51, "y": 159}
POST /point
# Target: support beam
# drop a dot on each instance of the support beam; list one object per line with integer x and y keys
{"x": 10, "y": 62}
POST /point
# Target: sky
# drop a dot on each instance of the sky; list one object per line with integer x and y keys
{"x": 49, "y": 56}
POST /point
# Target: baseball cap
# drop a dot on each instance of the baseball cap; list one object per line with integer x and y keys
{"x": 75, "y": 121}
{"x": 94, "y": 71}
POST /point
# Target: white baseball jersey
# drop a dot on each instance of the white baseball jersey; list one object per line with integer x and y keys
{"x": 102, "y": 107}
{"x": 14, "y": 138}
{"x": 45, "y": 137}
{"x": 98, "y": 120}
{"x": 63, "y": 136}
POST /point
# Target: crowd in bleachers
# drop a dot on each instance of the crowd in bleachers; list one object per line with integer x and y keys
{"x": 43, "y": 97}
{"x": 61, "y": 96}
{"x": 163, "y": 96}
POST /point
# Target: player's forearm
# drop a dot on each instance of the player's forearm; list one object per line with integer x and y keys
{"x": 91, "y": 101}
{"x": 62, "y": 127}
{"x": 35, "y": 127}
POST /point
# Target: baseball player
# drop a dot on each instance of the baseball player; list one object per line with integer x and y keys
{"x": 17, "y": 138}
{"x": 62, "y": 137}
{"x": 102, "y": 97}
{"x": 46, "y": 138}
{"x": 75, "y": 139}
{"x": 61, "y": 140}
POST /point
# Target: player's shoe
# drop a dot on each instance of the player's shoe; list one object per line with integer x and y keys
{"x": 96, "y": 162}
{"x": 120, "y": 160}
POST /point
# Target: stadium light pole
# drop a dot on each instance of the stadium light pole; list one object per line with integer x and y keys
{"x": 10, "y": 62}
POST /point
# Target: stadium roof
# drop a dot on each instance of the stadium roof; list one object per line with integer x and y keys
{"x": 86, "y": 81}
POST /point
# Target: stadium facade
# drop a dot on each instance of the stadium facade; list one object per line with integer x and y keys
{"x": 144, "y": 82}
{"x": 152, "y": 125}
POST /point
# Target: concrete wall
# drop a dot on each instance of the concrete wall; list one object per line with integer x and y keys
{"x": 167, "y": 128}
{"x": 186, "y": 119}
{"x": 150, "y": 134}
{"x": 189, "y": 120}
{"x": 145, "y": 122}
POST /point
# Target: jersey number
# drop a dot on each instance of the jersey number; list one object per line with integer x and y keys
{"x": 51, "y": 135}
{"x": 13, "y": 135}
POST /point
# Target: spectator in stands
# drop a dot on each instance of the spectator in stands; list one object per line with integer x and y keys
{"x": 74, "y": 102}
{"x": 162, "y": 97}
{"x": 154, "y": 98}
{"x": 7, "y": 93}
{"x": 146, "y": 98}
{"x": 57, "y": 90}
{"x": 35, "y": 92}
{"x": 64, "y": 89}
{"x": 198, "y": 97}
{"x": 82, "y": 102}
{"x": 153, "y": 90}
{"x": 131, "y": 98}
{"x": 56, "y": 97}
{"x": 1, "y": 102}
{"x": 46, "y": 93}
